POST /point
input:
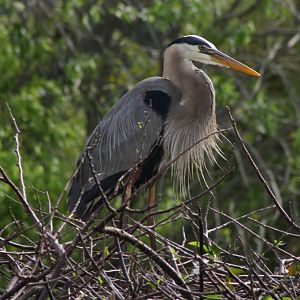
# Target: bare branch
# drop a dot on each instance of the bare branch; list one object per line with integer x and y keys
{"x": 260, "y": 176}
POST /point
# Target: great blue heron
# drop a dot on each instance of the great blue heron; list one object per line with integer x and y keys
{"x": 151, "y": 125}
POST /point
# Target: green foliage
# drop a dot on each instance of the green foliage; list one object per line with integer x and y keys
{"x": 236, "y": 271}
{"x": 198, "y": 245}
{"x": 268, "y": 297}
{"x": 100, "y": 280}
{"x": 212, "y": 251}
{"x": 213, "y": 296}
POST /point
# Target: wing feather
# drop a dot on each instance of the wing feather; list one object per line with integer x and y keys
{"x": 124, "y": 137}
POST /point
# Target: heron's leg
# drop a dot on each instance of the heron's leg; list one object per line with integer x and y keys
{"x": 124, "y": 216}
{"x": 151, "y": 221}
{"x": 127, "y": 197}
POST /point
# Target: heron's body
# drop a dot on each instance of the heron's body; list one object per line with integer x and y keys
{"x": 160, "y": 119}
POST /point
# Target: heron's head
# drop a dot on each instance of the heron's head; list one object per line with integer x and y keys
{"x": 198, "y": 49}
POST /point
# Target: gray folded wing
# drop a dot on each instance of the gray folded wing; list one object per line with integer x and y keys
{"x": 125, "y": 136}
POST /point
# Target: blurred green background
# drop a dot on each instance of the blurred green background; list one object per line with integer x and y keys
{"x": 63, "y": 64}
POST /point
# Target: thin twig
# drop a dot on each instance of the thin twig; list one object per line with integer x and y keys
{"x": 259, "y": 175}
{"x": 151, "y": 254}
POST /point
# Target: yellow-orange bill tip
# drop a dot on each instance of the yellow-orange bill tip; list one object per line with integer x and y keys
{"x": 232, "y": 63}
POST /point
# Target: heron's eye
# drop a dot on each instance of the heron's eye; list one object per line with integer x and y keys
{"x": 201, "y": 48}
{"x": 205, "y": 49}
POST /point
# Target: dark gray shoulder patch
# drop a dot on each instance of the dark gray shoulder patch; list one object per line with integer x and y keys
{"x": 158, "y": 101}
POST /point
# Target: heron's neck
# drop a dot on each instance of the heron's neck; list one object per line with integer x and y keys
{"x": 177, "y": 69}
{"x": 196, "y": 87}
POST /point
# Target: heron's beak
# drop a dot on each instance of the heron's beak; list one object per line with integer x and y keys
{"x": 225, "y": 60}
